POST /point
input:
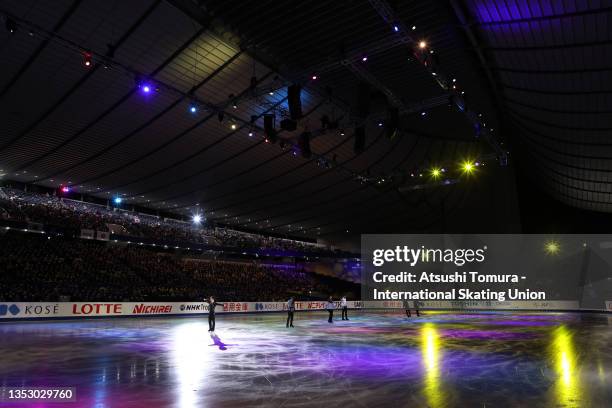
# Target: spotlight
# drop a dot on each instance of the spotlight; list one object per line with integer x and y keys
{"x": 11, "y": 25}
{"x": 423, "y": 113}
{"x": 87, "y": 60}
{"x": 364, "y": 58}
{"x": 117, "y": 200}
{"x": 380, "y": 124}
{"x": 314, "y": 77}
{"x": 197, "y": 219}
{"x": 65, "y": 189}
{"x": 233, "y": 126}
{"x": 422, "y": 45}
{"x": 413, "y": 27}
{"x": 552, "y": 247}
{"x": 468, "y": 167}
{"x": 435, "y": 172}
{"x": 251, "y": 133}
{"x": 193, "y": 108}
{"x": 396, "y": 28}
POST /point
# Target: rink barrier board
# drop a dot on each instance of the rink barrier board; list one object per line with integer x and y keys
{"x": 10, "y": 311}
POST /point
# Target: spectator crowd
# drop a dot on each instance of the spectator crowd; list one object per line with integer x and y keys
{"x": 51, "y": 210}
{"x": 39, "y": 267}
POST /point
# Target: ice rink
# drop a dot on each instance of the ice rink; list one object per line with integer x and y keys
{"x": 377, "y": 359}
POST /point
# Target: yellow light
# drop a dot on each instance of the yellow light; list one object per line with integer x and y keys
{"x": 552, "y": 247}
{"x": 567, "y": 386}
{"x": 468, "y": 167}
{"x": 233, "y": 126}
{"x": 432, "y": 356}
{"x": 435, "y": 173}
{"x": 422, "y": 44}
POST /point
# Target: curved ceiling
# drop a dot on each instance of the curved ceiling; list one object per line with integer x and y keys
{"x": 94, "y": 129}
{"x": 551, "y": 65}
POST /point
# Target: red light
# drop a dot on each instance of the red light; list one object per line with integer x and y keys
{"x": 87, "y": 59}
{"x": 65, "y": 189}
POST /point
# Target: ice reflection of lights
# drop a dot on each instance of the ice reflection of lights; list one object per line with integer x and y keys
{"x": 431, "y": 362}
{"x": 567, "y": 386}
{"x": 191, "y": 360}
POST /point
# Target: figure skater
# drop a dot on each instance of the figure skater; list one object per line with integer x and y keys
{"x": 330, "y": 306}
{"x": 211, "y": 313}
{"x": 344, "y": 307}
{"x": 407, "y": 308}
{"x": 416, "y": 308}
{"x": 290, "y": 310}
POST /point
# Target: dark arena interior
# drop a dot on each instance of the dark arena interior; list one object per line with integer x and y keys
{"x": 348, "y": 203}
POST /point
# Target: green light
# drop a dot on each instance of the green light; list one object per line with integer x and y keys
{"x": 435, "y": 172}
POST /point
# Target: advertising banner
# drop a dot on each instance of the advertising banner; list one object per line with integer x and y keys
{"x": 21, "y": 310}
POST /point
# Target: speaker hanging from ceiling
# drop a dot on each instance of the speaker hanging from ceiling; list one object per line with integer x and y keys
{"x": 392, "y": 125}
{"x": 269, "y": 129}
{"x": 294, "y": 100}
{"x": 359, "y": 139}
{"x": 304, "y": 143}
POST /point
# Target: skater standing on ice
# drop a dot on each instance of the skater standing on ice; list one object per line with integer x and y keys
{"x": 290, "y": 310}
{"x": 211, "y": 313}
{"x": 344, "y": 307}
{"x": 330, "y": 306}
{"x": 407, "y": 307}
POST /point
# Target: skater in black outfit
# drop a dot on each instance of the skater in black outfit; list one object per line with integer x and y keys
{"x": 407, "y": 308}
{"x": 211, "y": 313}
{"x": 330, "y": 306}
{"x": 344, "y": 307}
{"x": 290, "y": 311}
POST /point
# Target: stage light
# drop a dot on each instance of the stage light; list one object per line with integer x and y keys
{"x": 65, "y": 189}
{"x": 552, "y": 247}
{"x": 468, "y": 167}
{"x": 233, "y": 126}
{"x": 251, "y": 133}
{"x": 87, "y": 59}
{"x": 11, "y": 25}
{"x": 197, "y": 219}
{"x": 314, "y": 77}
{"x": 436, "y": 172}
{"x": 193, "y": 108}
{"x": 364, "y": 58}
{"x": 422, "y": 45}
{"x": 396, "y": 28}
{"x": 117, "y": 200}
{"x": 380, "y": 124}
{"x": 413, "y": 27}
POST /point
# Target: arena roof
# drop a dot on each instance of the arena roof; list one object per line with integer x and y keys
{"x": 95, "y": 129}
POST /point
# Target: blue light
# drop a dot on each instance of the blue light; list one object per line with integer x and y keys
{"x": 117, "y": 200}
{"x": 193, "y": 109}
{"x": 396, "y": 28}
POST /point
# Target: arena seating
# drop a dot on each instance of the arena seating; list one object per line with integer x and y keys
{"x": 41, "y": 267}
{"x": 73, "y": 215}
